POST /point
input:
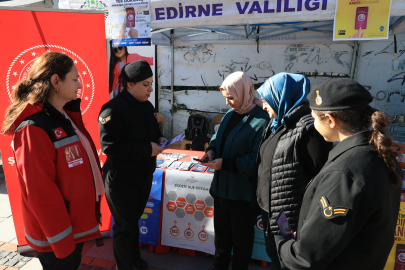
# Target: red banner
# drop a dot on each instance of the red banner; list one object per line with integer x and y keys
{"x": 25, "y": 36}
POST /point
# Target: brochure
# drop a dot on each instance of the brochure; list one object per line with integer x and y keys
{"x": 165, "y": 164}
{"x": 186, "y": 166}
{"x": 175, "y": 165}
{"x": 199, "y": 168}
{"x": 171, "y": 141}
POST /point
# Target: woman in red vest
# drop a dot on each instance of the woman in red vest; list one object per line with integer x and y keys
{"x": 57, "y": 163}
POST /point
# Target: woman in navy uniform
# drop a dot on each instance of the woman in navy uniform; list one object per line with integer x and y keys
{"x": 349, "y": 211}
{"x": 129, "y": 136}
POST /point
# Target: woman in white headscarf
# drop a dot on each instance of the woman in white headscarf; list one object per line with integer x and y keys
{"x": 232, "y": 153}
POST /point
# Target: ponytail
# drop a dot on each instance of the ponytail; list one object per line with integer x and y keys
{"x": 382, "y": 143}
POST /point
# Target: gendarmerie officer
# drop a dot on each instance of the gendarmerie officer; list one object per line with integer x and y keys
{"x": 350, "y": 208}
{"x": 129, "y": 136}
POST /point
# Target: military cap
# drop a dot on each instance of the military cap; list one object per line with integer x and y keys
{"x": 338, "y": 94}
{"x": 136, "y": 71}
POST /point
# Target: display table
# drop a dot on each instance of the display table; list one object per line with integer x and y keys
{"x": 187, "y": 212}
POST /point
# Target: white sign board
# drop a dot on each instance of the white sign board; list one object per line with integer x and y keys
{"x": 188, "y": 211}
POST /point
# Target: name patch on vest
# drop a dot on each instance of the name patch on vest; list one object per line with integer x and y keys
{"x": 73, "y": 155}
{"x": 329, "y": 211}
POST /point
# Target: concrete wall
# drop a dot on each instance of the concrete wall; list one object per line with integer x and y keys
{"x": 205, "y": 66}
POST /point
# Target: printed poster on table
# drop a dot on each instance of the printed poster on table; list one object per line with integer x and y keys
{"x": 188, "y": 211}
{"x": 130, "y": 22}
{"x": 362, "y": 19}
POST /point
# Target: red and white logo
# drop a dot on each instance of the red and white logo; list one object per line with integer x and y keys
{"x": 21, "y": 66}
{"x": 401, "y": 257}
{"x": 59, "y": 133}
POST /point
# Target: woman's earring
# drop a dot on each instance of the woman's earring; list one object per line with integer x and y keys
{"x": 56, "y": 90}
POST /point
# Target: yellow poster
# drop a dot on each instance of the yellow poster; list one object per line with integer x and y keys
{"x": 397, "y": 257}
{"x": 361, "y": 19}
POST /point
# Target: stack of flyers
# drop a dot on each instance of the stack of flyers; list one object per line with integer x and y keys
{"x": 172, "y": 156}
{"x": 211, "y": 170}
{"x": 186, "y": 166}
{"x": 199, "y": 168}
{"x": 165, "y": 164}
{"x": 159, "y": 162}
{"x": 175, "y": 165}
{"x": 192, "y": 159}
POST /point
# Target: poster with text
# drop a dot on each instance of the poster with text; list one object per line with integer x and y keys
{"x": 29, "y": 35}
{"x": 130, "y": 22}
{"x": 188, "y": 211}
{"x": 362, "y": 19}
{"x": 259, "y": 247}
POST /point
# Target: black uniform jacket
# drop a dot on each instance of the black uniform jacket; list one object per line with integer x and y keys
{"x": 349, "y": 212}
{"x": 127, "y": 127}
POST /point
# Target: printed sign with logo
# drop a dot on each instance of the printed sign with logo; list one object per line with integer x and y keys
{"x": 131, "y": 24}
{"x": 259, "y": 247}
{"x": 38, "y": 30}
{"x": 188, "y": 211}
{"x": 361, "y": 19}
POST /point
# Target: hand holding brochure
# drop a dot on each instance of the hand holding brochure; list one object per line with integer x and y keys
{"x": 284, "y": 226}
{"x": 171, "y": 141}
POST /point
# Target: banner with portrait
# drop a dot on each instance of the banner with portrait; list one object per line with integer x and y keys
{"x": 39, "y": 36}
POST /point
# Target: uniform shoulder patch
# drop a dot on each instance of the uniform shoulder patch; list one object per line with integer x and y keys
{"x": 104, "y": 120}
{"x": 329, "y": 211}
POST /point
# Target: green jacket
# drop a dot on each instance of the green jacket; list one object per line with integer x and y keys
{"x": 243, "y": 144}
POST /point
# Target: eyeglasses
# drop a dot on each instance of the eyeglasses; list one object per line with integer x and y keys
{"x": 115, "y": 50}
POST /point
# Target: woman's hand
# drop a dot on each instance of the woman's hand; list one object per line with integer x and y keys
{"x": 216, "y": 164}
{"x": 133, "y": 33}
{"x": 156, "y": 149}
{"x": 210, "y": 155}
{"x": 162, "y": 140}
{"x": 123, "y": 28}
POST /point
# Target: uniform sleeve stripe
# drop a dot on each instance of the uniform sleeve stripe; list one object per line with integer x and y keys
{"x": 78, "y": 235}
{"x": 60, "y": 236}
{"x": 36, "y": 242}
{"x": 66, "y": 141}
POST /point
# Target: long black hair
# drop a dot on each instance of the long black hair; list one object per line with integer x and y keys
{"x": 113, "y": 61}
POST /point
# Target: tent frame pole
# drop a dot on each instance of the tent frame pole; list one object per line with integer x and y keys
{"x": 172, "y": 84}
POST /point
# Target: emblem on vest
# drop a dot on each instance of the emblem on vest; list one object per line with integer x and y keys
{"x": 318, "y": 99}
{"x": 330, "y": 211}
{"x": 104, "y": 120}
{"x": 59, "y": 133}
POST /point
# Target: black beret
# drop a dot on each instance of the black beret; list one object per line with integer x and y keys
{"x": 136, "y": 71}
{"x": 338, "y": 94}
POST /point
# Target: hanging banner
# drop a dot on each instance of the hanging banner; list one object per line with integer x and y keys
{"x": 188, "y": 211}
{"x": 38, "y": 30}
{"x": 259, "y": 248}
{"x": 149, "y": 223}
{"x": 130, "y": 22}
{"x": 362, "y": 20}
{"x": 191, "y": 13}
{"x": 119, "y": 56}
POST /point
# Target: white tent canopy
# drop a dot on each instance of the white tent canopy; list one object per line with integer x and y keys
{"x": 186, "y": 13}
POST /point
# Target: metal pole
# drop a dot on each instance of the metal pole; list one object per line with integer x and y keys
{"x": 354, "y": 57}
{"x": 172, "y": 86}
{"x": 356, "y": 68}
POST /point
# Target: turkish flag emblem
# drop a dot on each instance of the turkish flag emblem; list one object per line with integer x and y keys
{"x": 59, "y": 133}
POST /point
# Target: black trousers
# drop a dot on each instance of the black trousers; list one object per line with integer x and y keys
{"x": 234, "y": 223}
{"x": 271, "y": 245}
{"x": 72, "y": 262}
{"x": 127, "y": 201}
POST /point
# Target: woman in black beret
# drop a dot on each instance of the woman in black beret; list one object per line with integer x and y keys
{"x": 350, "y": 209}
{"x": 129, "y": 136}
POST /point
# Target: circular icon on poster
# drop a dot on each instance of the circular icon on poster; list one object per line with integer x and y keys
{"x": 22, "y": 63}
{"x": 143, "y": 230}
{"x": 131, "y": 17}
{"x": 361, "y": 17}
{"x": 401, "y": 257}
{"x": 259, "y": 223}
